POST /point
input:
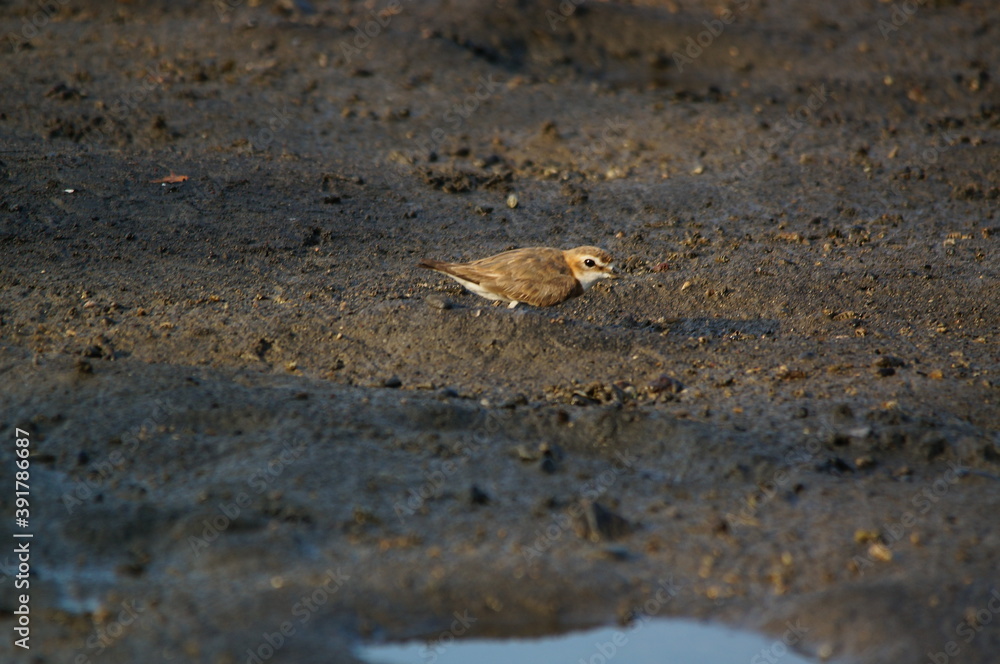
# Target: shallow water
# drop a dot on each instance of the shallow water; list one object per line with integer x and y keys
{"x": 651, "y": 642}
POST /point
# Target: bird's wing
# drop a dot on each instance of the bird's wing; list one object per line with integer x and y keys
{"x": 493, "y": 268}
{"x": 536, "y": 292}
{"x": 539, "y": 277}
{"x": 463, "y": 271}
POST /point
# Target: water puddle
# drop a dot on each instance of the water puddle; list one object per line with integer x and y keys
{"x": 659, "y": 641}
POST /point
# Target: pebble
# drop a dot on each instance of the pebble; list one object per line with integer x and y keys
{"x": 616, "y": 553}
{"x": 665, "y": 383}
{"x": 866, "y": 461}
{"x": 551, "y": 450}
{"x": 888, "y": 362}
{"x": 598, "y": 523}
{"x": 513, "y": 402}
{"x": 392, "y": 382}
{"x": 512, "y": 201}
{"x": 525, "y": 454}
{"x": 477, "y": 496}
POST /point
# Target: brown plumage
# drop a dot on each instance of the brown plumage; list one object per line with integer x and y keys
{"x": 539, "y": 276}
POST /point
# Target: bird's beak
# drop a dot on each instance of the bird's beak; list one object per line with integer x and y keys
{"x": 611, "y": 273}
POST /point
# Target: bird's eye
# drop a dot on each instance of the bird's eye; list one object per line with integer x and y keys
{"x": 589, "y": 262}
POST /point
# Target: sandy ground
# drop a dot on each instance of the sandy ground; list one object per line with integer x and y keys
{"x": 257, "y": 430}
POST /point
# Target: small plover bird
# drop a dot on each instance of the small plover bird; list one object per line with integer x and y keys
{"x": 539, "y": 276}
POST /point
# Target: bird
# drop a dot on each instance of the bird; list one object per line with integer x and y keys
{"x": 539, "y": 276}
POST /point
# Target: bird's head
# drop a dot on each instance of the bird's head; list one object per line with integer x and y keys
{"x": 590, "y": 265}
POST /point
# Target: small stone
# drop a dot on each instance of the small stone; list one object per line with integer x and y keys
{"x": 526, "y": 454}
{"x": 392, "y": 382}
{"x": 864, "y": 462}
{"x": 548, "y": 465}
{"x": 552, "y": 451}
{"x": 665, "y": 383}
{"x": 598, "y": 523}
{"x": 932, "y": 446}
{"x": 100, "y": 348}
{"x": 439, "y": 302}
{"x": 261, "y": 348}
{"x": 862, "y": 536}
{"x": 885, "y": 372}
{"x": 616, "y": 553}
{"x": 477, "y": 496}
{"x": 513, "y": 402}
{"x": 834, "y": 465}
{"x": 880, "y": 552}
{"x": 888, "y": 362}
{"x": 843, "y": 411}
{"x": 512, "y": 201}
